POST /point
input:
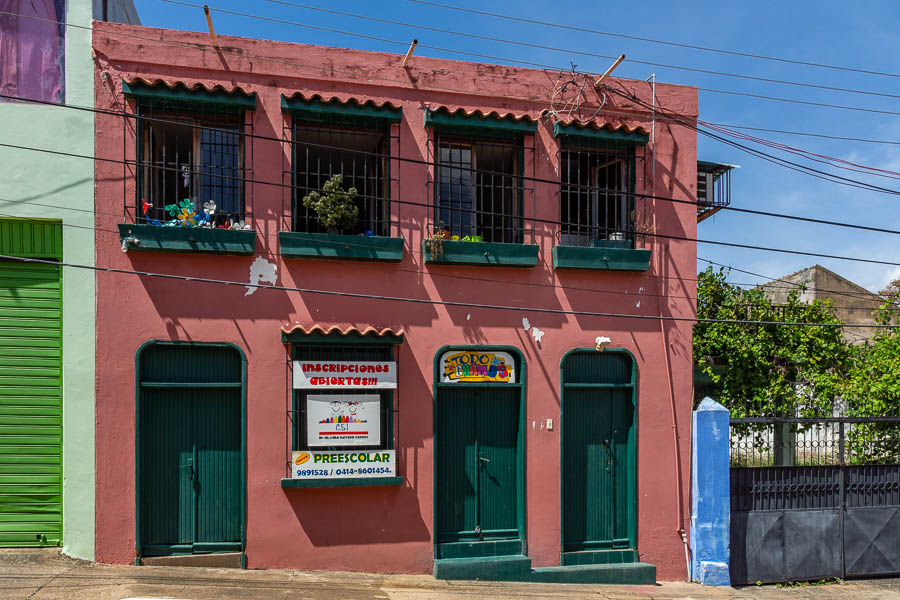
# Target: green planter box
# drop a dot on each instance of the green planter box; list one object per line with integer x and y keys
{"x": 486, "y": 254}
{"x": 350, "y": 247}
{"x": 187, "y": 239}
{"x": 600, "y": 259}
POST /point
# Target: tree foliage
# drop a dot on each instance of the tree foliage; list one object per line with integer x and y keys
{"x": 772, "y": 369}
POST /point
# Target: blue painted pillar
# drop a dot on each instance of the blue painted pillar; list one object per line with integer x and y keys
{"x": 710, "y": 501}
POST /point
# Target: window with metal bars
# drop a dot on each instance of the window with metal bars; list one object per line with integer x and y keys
{"x": 597, "y": 195}
{"x": 479, "y": 188}
{"x": 360, "y": 156}
{"x": 193, "y": 161}
{"x": 341, "y": 352}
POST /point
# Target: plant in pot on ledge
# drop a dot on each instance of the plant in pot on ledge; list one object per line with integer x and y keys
{"x": 335, "y": 208}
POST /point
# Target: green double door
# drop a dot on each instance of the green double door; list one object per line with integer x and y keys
{"x": 191, "y": 467}
{"x": 598, "y": 458}
{"x": 477, "y": 494}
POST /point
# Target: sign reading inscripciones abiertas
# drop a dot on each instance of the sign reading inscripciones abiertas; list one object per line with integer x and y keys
{"x": 342, "y": 374}
{"x": 345, "y": 464}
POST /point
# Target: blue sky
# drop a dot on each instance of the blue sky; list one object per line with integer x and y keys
{"x": 821, "y": 32}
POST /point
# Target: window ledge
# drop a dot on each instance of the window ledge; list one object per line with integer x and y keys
{"x": 348, "y": 247}
{"x": 600, "y": 259}
{"x": 486, "y": 254}
{"x": 359, "y": 482}
{"x": 186, "y": 239}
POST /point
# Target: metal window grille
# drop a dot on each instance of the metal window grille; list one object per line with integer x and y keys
{"x": 297, "y": 412}
{"x": 360, "y": 156}
{"x": 597, "y": 195}
{"x": 199, "y": 157}
{"x": 479, "y": 190}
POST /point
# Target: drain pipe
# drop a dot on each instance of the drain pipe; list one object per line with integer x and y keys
{"x": 687, "y": 554}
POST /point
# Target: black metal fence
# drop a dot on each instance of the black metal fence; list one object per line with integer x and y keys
{"x": 815, "y": 490}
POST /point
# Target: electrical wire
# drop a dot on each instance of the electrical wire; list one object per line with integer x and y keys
{"x": 533, "y": 219}
{"x": 401, "y": 83}
{"x": 429, "y": 301}
{"x": 635, "y": 295}
{"x": 654, "y": 41}
{"x": 515, "y": 43}
{"x": 436, "y": 164}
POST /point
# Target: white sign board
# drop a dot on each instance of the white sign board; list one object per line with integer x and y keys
{"x": 344, "y": 464}
{"x": 343, "y": 419}
{"x": 339, "y": 375}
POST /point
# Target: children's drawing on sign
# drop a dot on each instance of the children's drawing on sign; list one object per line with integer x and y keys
{"x": 345, "y": 420}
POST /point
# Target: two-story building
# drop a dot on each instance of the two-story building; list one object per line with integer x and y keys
{"x": 46, "y": 312}
{"x": 459, "y": 357}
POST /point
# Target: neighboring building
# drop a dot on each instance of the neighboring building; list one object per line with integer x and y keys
{"x": 851, "y": 303}
{"x": 473, "y": 441}
{"x": 47, "y": 315}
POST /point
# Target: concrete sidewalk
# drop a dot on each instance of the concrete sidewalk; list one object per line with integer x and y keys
{"x": 44, "y": 574}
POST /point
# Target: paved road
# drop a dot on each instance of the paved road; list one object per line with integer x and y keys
{"x": 43, "y": 575}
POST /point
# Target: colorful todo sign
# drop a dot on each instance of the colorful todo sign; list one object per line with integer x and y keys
{"x": 471, "y": 366}
{"x": 343, "y": 420}
{"x": 336, "y": 374}
{"x": 346, "y": 464}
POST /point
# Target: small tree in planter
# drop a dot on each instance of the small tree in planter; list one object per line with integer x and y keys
{"x": 335, "y": 208}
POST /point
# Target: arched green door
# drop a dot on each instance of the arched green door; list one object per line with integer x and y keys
{"x": 598, "y": 458}
{"x": 478, "y": 462}
{"x": 190, "y": 449}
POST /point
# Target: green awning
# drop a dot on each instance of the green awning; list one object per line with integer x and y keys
{"x": 181, "y": 96}
{"x": 350, "y": 113}
{"x": 477, "y": 122}
{"x": 590, "y": 134}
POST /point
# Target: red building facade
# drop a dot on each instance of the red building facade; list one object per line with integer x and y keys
{"x": 422, "y": 385}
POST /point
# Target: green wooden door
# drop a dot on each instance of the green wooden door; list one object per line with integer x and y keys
{"x": 477, "y": 463}
{"x": 190, "y": 456}
{"x": 30, "y": 403}
{"x": 598, "y": 486}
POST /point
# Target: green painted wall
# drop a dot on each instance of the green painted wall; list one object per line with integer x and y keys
{"x": 44, "y": 186}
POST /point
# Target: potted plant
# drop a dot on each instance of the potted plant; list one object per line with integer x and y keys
{"x": 335, "y": 208}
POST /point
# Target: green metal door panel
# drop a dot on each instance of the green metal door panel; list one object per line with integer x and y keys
{"x": 34, "y": 239}
{"x": 457, "y": 471}
{"x": 497, "y": 428}
{"x": 217, "y": 439}
{"x": 191, "y": 454}
{"x": 167, "y": 497}
{"x": 598, "y": 453}
{"x": 30, "y": 391}
{"x": 608, "y": 367}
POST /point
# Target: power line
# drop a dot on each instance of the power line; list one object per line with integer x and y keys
{"x": 635, "y": 295}
{"x": 435, "y": 164}
{"x": 533, "y": 219}
{"x": 765, "y": 156}
{"x": 429, "y": 301}
{"x": 795, "y": 286}
{"x": 519, "y": 43}
{"x": 400, "y": 83}
{"x": 654, "y": 41}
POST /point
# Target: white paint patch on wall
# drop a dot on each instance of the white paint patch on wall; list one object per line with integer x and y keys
{"x": 526, "y": 324}
{"x": 261, "y": 271}
{"x": 537, "y": 334}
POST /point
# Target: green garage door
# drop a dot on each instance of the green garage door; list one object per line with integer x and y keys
{"x": 30, "y": 403}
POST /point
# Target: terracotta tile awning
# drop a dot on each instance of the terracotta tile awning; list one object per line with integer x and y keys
{"x": 178, "y": 92}
{"x": 299, "y": 333}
